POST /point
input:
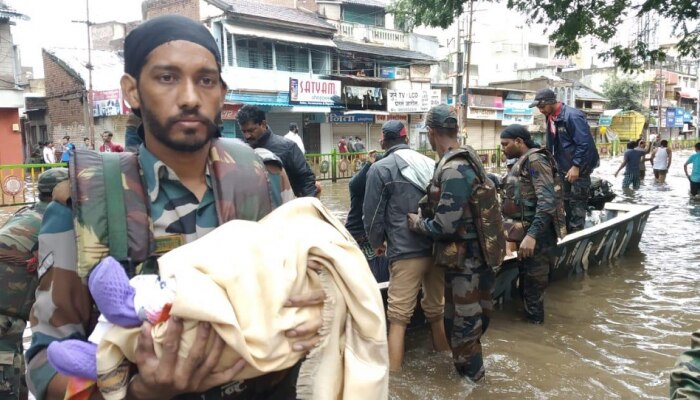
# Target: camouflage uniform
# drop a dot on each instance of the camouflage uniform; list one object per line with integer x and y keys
{"x": 469, "y": 285}
{"x": 685, "y": 376}
{"x": 63, "y": 307}
{"x": 533, "y": 198}
{"x": 18, "y": 240}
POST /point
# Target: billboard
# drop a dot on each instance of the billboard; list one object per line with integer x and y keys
{"x": 107, "y": 103}
{"x": 316, "y": 92}
{"x": 412, "y": 101}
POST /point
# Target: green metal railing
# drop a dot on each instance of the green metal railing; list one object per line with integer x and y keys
{"x": 19, "y": 182}
{"x": 335, "y": 165}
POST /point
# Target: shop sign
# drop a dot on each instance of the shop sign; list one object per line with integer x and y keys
{"x": 338, "y": 118}
{"x": 380, "y": 119}
{"x": 317, "y": 92}
{"x": 605, "y": 120}
{"x": 687, "y": 116}
{"x": 679, "y": 118}
{"x": 482, "y": 113}
{"x": 410, "y": 101}
{"x": 230, "y": 111}
{"x": 517, "y": 112}
{"x": 482, "y": 100}
{"x": 393, "y": 73}
{"x": 670, "y": 118}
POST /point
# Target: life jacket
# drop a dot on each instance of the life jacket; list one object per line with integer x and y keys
{"x": 18, "y": 264}
{"x": 520, "y": 198}
{"x": 483, "y": 216}
{"x": 111, "y": 204}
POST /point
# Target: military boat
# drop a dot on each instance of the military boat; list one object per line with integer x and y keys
{"x": 617, "y": 232}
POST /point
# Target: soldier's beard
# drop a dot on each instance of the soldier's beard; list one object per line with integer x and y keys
{"x": 161, "y": 130}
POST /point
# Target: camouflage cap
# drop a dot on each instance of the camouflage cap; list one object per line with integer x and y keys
{"x": 441, "y": 116}
{"x": 51, "y": 178}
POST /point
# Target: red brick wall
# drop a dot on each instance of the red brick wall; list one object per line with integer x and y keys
{"x": 64, "y": 93}
{"x": 187, "y": 8}
{"x": 11, "y": 149}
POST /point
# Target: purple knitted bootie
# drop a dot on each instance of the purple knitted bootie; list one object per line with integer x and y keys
{"x": 113, "y": 294}
{"x": 74, "y": 358}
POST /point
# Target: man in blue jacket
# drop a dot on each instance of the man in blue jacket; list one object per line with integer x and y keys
{"x": 569, "y": 139}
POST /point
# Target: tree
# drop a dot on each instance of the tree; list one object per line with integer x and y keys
{"x": 623, "y": 93}
{"x": 570, "y": 21}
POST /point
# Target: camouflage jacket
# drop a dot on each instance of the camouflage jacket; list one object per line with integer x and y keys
{"x": 18, "y": 240}
{"x": 448, "y": 216}
{"x": 532, "y": 194}
{"x": 685, "y": 376}
{"x": 64, "y": 308}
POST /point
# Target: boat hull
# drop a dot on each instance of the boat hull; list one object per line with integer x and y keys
{"x": 577, "y": 252}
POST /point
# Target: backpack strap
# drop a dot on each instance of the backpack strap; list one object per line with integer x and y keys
{"x": 116, "y": 209}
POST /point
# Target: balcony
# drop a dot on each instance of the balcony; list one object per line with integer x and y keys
{"x": 371, "y": 34}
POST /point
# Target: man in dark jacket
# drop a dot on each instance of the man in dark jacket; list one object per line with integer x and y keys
{"x": 395, "y": 185}
{"x": 353, "y": 223}
{"x": 570, "y": 141}
{"x": 257, "y": 133}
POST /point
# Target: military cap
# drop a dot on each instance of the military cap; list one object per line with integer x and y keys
{"x": 442, "y": 116}
{"x": 51, "y": 178}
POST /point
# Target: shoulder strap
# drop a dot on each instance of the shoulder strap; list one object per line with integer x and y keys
{"x": 110, "y": 209}
{"x": 251, "y": 195}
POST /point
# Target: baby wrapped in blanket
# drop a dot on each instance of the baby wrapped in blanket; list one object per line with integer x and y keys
{"x": 238, "y": 278}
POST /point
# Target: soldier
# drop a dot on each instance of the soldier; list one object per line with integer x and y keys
{"x": 450, "y": 220}
{"x": 685, "y": 376}
{"x": 192, "y": 183}
{"x": 18, "y": 242}
{"x": 534, "y": 214}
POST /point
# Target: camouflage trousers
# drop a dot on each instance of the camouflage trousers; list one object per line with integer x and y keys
{"x": 468, "y": 308}
{"x": 534, "y": 278}
{"x": 576, "y": 202}
{"x": 12, "y": 383}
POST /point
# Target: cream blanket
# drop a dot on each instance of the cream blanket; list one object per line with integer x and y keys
{"x": 239, "y": 276}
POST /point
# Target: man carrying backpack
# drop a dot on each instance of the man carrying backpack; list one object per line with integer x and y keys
{"x": 451, "y": 218}
{"x": 182, "y": 184}
{"x": 534, "y": 213}
{"x": 18, "y": 242}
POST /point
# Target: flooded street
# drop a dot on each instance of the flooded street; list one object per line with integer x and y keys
{"x": 613, "y": 333}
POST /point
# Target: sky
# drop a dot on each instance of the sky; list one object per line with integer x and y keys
{"x": 50, "y": 24}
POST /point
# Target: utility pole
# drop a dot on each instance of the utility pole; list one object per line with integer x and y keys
{"x": 89, "y": 120}
{"x": 459, "y": 64}
{"x": 660, "y": 83}
{"x": 468, "y": 44}
{"x": 697, "y": 101}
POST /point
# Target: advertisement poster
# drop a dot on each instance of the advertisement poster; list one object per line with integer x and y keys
{"x": 108, "y": 103}
{"x": 315, "y": 92}
{"x": 412, "y": 101}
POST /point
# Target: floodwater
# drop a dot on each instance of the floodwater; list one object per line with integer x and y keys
{"x": 611, "y": 334}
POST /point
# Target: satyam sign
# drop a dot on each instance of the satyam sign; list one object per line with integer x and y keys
{"x": 412, "y": 101}
{"x": 316, "y": 92}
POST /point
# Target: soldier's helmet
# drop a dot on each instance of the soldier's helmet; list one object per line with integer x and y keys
{"x": 51, "y": 178}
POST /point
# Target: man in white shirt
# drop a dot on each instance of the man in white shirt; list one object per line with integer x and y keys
{"x": 49, "y": 154}
{"x": 293, "y": 135}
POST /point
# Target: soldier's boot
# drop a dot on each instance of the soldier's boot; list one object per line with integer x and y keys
{"x": 472, "y": 369}
{"x": 534, "y": 310}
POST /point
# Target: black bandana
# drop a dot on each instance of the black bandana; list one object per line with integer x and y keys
{"x": 518, "y": 131}
{"x": 155, "y": 32}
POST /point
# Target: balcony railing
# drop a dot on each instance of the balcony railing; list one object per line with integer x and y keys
{"x": 371, "y": 34}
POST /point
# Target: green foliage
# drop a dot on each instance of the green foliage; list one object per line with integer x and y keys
{"x": 570, "y": 21}
{"x": 624, "y": 93}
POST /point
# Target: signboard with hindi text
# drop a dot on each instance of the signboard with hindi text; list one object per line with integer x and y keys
{"x": 380, "y": 119}
{"x": 412, "y": 101}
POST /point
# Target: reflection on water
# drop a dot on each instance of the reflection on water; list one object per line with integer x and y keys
{"x": 611, "y": 334}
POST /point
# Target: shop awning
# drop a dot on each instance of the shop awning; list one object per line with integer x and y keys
{"x": 279, "y": 36}
{"x": 687, "y": 92}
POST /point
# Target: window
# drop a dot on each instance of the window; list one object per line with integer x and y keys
{"x": 43, "y": 134}
{"x": 363, "y": 15}
{"x": 320, "y": 61}
{"x": 538, "y": 50}
{"x": 291, "y": 58}
{"x": 253, "y": 53}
